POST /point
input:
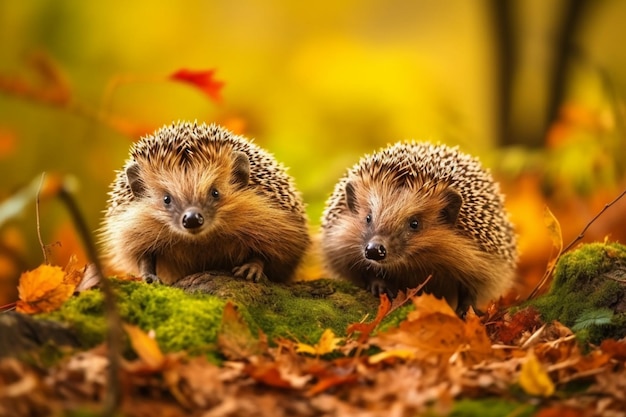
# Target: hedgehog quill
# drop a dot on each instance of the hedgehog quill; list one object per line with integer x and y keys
{"x": 414, "y": 210}
{"x": 194, "y": 198}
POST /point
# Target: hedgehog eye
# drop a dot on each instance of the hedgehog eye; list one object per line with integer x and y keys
{"x": 368, "y": 218}
{"x": 167, "y": 200}
{"x": 214, "y": 193}
{"x": 414, "y": 224}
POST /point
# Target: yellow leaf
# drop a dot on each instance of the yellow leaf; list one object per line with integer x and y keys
{"x": 328, "y": 343}
{"x": 145, "y": 346}
{"x": 554, "y": 228}
{"x": 394, "y": 353}
{"x": 534, "y": 379}
{"x": 42, "y": 290}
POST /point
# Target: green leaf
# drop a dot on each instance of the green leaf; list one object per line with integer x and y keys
{"x": 599, "y": 317}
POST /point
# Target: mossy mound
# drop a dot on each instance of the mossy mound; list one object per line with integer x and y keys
{"x": 190, "y": 319}
{"x": 588, "y": 293}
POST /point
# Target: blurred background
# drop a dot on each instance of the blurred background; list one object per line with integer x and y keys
{"x": 534, "y": 88}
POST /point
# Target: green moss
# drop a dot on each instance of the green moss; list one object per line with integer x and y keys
{"x": 586, "y": 280}
{"x": 491, "y": 407}
{"x": 180, "y": 320}
{"x": 190, "y": 321}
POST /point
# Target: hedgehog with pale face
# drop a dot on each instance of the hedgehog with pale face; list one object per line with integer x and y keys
{"x": 414, "y": 210}
{"x": 194, "y": 198}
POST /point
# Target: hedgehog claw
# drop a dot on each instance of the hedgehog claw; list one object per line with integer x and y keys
{"x": 378, "y": 287}
{"x": 251, "y": 271}
{"x": 151, "y": 279}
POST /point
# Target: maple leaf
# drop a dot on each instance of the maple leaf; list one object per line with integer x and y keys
{"x": 365, "y": 329}
{"x": 434, "y": 329}
{"x": 43, "y": 290}
{"x": 145, "y": 346}
{"x": 328, "y": 343}
{"x": 203, "y": 80}
{"x": 534, "y": 379}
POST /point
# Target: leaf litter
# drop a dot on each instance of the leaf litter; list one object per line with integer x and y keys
{"x": 427, "y": 364}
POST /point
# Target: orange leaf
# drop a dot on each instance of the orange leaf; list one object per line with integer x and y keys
{"x": 434, "y": 330}
{"x": 332, "y": 381}
{"x": 203, "y": 80}
{"x": 146, "y": 347}
{"x": 272, "y": 374}
{"x": 366, "y": 328}
{"x": 42, "y": 290}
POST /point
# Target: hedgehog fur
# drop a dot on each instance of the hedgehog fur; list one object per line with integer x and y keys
{"x": 195, "y": 198}
{"x": 414, "y": 210}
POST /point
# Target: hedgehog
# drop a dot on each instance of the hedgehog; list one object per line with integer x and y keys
{"x": 194, "y": 198}
{"x": 416, "y": 211}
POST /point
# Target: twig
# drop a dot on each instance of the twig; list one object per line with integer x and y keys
{"x": 114, "y": 328}
{"x": 43, "y": 247}
{"x": 570, "y": 245}
{"x": 582, "y": 233}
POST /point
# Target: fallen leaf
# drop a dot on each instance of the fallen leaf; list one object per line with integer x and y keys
{"x": 328, "y": 343}
{"x": 365, "y": 329}
{"x": 43, "y": 290}
{"x": 533, "y": 378}
{"x": 393, "y": 353}
{"x": 203, "y": 80}
{"x": 332, "y": 381}
{"x": 235, "y": 339}
{"x": 275, "y": 375}
{"x": 145, "y": 346}
{"x": 615, "y": 348}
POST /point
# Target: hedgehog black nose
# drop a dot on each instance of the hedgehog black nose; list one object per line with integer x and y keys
{"x": 192, "y": 220}
{"x": 375, "y": 251}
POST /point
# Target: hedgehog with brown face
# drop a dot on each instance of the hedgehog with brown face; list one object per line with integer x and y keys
{"x": 414, "y": 210}
{"x": 194, "y": 198}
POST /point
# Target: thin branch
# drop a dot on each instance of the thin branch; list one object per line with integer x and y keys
{"x": 114, "y": 328}
{"x": 582, "y": 233}
{"x": 43, "y": 247}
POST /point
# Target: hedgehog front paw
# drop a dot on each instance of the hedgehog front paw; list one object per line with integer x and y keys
{"x": 151, "y": 279}
{"x": 378, "y": 287}
{"x": 251, "y": 271}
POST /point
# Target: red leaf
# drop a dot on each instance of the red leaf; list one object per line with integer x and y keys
{"x": 203, "y": 80}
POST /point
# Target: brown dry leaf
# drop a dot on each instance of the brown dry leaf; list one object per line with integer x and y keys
{"x": 43, "y": 290}
{"x": 235, "y": 338}
{"x": 145, "y": 346}
{"x": 432, "y": 329}
{"x": 615, "y": 348}
{"x": 73, "y": 273}
{"x": 276, "y": 374}
{"x": 332, "y": 381}
{"x": 328, "y": 343}
{"x": 479, "y": 344}
{"x": 511, "y": 328}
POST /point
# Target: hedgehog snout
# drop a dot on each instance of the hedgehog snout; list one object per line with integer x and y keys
{"x": 375, "y": 250}
{"x": 192, "y": 219}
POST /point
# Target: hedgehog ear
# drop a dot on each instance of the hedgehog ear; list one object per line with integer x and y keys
{"x": 351, "y": 197}
{"x": 133, "y": 174}
{"x": 453, "y": 202}
{"x": 241, "y": 169}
